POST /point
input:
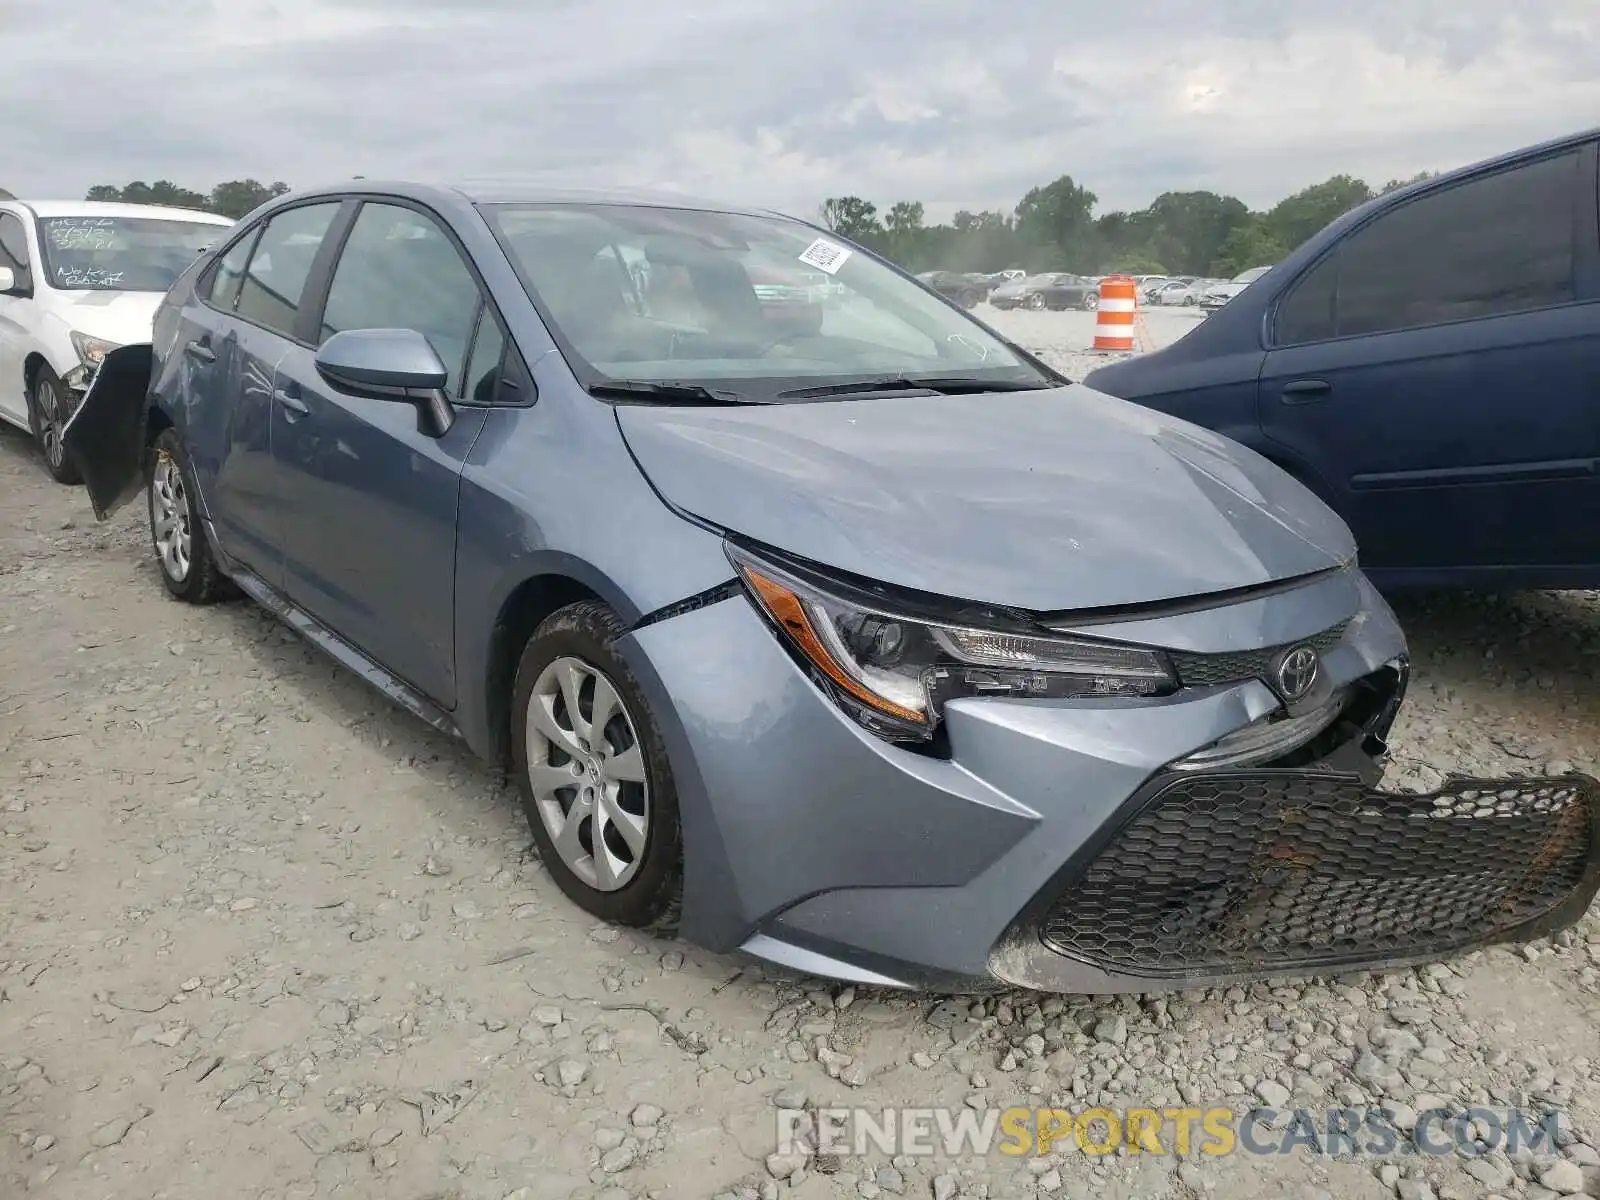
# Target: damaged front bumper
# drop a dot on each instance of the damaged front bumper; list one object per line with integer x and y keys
{"x": 1212, "y": 877}
{"x": 106, "y": 434}
{"x": 1100, "y": 846}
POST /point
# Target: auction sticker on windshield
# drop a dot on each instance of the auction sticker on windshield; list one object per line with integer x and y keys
{"x": 825, "y": 256}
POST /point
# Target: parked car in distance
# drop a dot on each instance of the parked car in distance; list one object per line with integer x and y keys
{"x": 1218, "y": 294}
{"x": 1184, "y": 292}
{"x": 775, "y": 643}
{"x": 1009, "y": 275}
{"x": 1056, "y": 290}
{"x": 967, "y": 290}
{"x": 1427, "y": 364}
{"x": 79, "y": 278}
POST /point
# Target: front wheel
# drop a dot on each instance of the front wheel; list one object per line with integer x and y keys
{"x": 1091, "y": 301}
{"x": 177, "y": 533}
{"x": 592, "y": 767}
{"x": 48, "y": 410}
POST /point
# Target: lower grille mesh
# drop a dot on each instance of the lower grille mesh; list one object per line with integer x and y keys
{"x": 1247, "y": 871}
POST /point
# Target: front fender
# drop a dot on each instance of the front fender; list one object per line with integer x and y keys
{"x": 107, "y": 435}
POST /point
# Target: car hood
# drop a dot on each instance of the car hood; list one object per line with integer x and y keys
{"x": 1226, "y": 289}
{"x": 121, "y": 317}
{"x": 1047, "y": 500}
{"x": 1014, "y": 289}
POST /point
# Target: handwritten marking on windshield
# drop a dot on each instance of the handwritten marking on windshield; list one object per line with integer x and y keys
{"x": 87, "y": 277}
{"x": 82, "y": 233}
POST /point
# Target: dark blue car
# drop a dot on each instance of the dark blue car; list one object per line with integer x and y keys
{"x": 1429, "y": 364}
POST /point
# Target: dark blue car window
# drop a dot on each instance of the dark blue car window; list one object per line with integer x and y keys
{"x": 1500, "y": 243}
{"x": 1307, "y": 314}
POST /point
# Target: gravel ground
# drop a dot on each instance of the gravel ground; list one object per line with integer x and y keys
{"x": 263, "y": 936}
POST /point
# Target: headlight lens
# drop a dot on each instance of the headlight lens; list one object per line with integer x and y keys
{"x": 91, "y": 350}
{"x": 894, "y": 673}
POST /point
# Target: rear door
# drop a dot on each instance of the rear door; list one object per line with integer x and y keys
{"x": 231, "y": 339}
{"x": 370, "y": 493}
{"x": 1439, "y": 370}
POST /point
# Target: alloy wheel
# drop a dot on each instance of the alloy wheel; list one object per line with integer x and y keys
{"x": 47, "y": 407}
{"x": 169, "y": 523}
{"x": 587, "y": 773}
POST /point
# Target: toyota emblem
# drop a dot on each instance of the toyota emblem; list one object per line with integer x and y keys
{"x": 1297, "y": 671}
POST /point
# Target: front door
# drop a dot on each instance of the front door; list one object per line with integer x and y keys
{"x": 14, "y": 325}
{"x": 1437, "y": 372}
{"x": 369, "y": 494}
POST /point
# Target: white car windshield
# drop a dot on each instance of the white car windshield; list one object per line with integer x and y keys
{"x": 121, "y": 254}
{"x": 677, "y": 295}
{"x": 1250, "y": 276}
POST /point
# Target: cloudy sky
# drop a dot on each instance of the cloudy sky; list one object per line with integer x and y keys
{"x": 784, "y": 102}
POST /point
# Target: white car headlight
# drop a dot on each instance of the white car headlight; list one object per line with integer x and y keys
{"x": 92, "y": 351}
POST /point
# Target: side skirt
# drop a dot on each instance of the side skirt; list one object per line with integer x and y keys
{"x": 334, "y": 646}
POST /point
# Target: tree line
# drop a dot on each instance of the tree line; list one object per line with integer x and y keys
{"x": 1055, "y": 228}
{"x": 233, "y": 199}
{"x": 1052, "y": 228}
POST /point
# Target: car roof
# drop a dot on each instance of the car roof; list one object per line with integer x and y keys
{"x": 104, "y": 208}
{"x": 522, "y": 193}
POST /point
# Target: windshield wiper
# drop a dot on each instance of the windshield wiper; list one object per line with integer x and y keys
{"x": 946, "y": 385}
{"x": 680, "y": 393}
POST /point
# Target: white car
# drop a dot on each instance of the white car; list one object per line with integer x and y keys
{"x": 78, "y": 279}
{"x": 1219, "y": 294}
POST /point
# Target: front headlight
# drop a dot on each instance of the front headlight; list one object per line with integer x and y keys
{"x": 894, "y": 672}
{"x": 92, "y": 351}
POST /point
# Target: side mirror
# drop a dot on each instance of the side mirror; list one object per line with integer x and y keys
{"x": 8, "y": 283}
{"x": 389, "y": 364}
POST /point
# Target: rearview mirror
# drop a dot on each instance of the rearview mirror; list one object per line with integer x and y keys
{"x": 389, "y": 364}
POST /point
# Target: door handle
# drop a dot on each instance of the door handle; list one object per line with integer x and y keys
{"x": 290, "y": 401}
{"x": 200, "y": 352}
{"x": 1304, "y": 391}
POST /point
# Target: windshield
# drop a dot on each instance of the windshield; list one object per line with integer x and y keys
{"x": 1250, "y": 276}
{"x": 121, "y": 254}
{"x": 752, "y": 304}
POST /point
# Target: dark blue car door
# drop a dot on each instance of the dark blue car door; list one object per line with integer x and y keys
{"x": 232, "y": 334}
{"x": 369, "y": 491}
{"x": 1437, "y": 372}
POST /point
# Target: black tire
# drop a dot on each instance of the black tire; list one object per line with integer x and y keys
{"x": 47, "y": 413}
{"x": 203, "y": 581}
{"x": 1091, "y": 301}
{"x": 650, "y": 900}
{"x": 1036, "y": 302}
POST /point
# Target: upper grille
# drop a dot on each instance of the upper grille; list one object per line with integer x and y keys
{"x": 1214, "y": 670}
{"x": 1240, "y": 872}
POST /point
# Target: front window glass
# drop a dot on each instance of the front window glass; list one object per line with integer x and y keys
{"x": 121, "y": 254}
{"x": 668, "y": 295}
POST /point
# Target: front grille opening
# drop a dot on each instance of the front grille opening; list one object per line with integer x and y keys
{"x": 1239, "y": 666}
{"x": 1287, "y": 870}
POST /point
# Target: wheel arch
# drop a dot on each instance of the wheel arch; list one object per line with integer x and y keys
{"x": 524, "y": 608}
{"x": 30, "y": 370}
